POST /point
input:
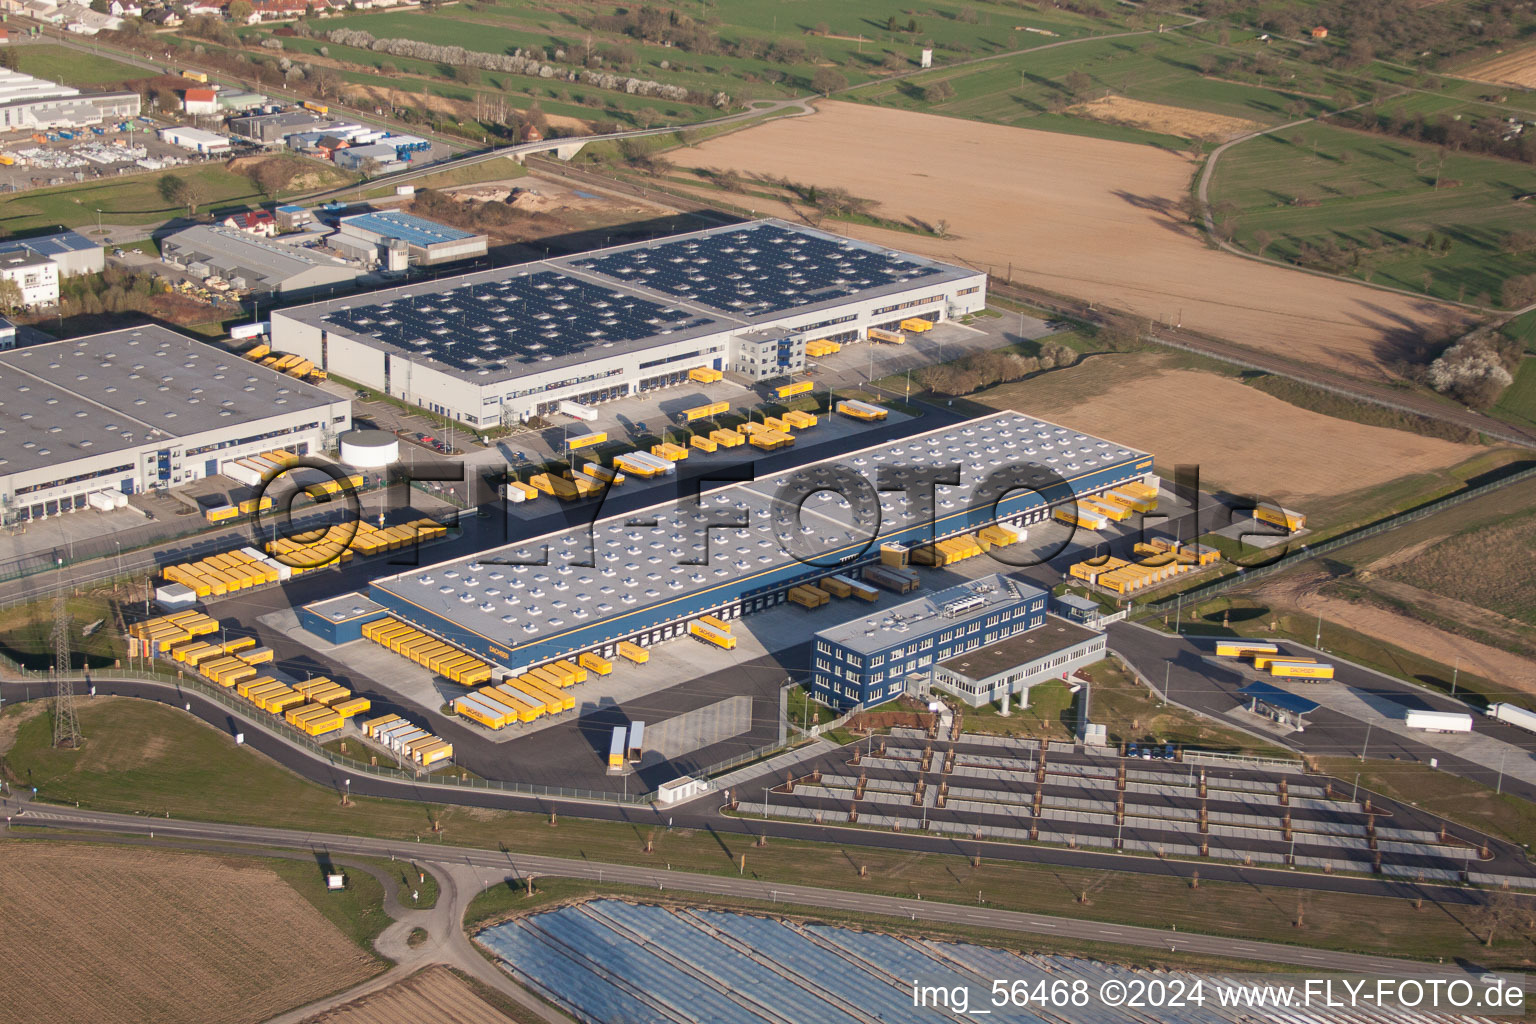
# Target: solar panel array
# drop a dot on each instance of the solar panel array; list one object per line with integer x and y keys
{"x": 608, "y": 960}
{"x": 528, "y": 319}
{"x": 758, "y": 270}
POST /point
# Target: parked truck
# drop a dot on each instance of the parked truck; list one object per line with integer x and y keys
{"x": 1439, "y": 721}
{"x": 1514, "y": 715}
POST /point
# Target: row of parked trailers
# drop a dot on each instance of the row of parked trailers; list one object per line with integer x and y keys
{"x": 236, "y": 664}
{"x": 427, "y": 651}
{"x": 524, "y": 698}
{"x": 408, "y": 741}
{"x": 1267, "y": 657}
{"x": 1117, "y": 505}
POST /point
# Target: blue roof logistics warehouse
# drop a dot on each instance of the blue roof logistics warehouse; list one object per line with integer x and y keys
{"x": 644, "y": 576}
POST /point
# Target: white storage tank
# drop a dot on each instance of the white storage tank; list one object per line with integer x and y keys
{"x": 369, "y": 449}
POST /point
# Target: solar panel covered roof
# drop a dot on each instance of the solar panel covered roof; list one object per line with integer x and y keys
{"x": 627, "y": 298}
{"x": 759, "y": 269}
{"x": 532, "y": 317}
{"x": 540, "y": 588}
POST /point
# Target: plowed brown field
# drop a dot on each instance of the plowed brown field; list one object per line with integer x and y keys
{"x": 102, "y": 933}
{"x": 1083, "y": 217}
{"x": 433, "y": 996}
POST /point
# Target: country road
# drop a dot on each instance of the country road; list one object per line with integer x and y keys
{"x": 704, "y": 812}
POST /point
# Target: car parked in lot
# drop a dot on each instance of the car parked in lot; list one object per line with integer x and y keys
{"x": 1132, "y": 750}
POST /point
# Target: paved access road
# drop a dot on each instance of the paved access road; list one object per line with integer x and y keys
{"x": 705, "y": 812}
{"x": 502, "y": 866}
{"x": 1209, "y": 685}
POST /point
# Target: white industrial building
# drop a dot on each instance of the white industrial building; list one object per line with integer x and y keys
{"x": 135, "y": 409}
{"x": 511, "y": 343}
{"x": 28, "y": 104}
{"x": 72, "y": 251}
{"x": 195, "y": 139}
{"x": 389, "y": 236}
{"x": 36, "y": 277}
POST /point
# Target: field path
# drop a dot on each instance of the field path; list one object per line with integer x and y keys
{"x": 1091, "y": 218}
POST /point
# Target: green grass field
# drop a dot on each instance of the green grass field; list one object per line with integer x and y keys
{"x": 1367, "y": 204}
{"x": 133, "y": 199}
{"x": 1523, "y": 328}
{"x": 58, "y": 64}
{"x": 1030, "y": 89}
{"x": 1518, "y": 402}
{"x": 147, "y": 758}
{"x": 957, "y": 31}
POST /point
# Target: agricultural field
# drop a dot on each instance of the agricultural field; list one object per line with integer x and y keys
{"x": 1379, "y": 209}
{"x": 1085, "y": 217}
{"x": 432, "y": 996}
{"x": 1208, "y": 420}
{"x": 232, "y": 942}
{"x": 747, "y": 50}
{"x": 1428, "y": 596}
{"x": 70, "y": 67}
{"x": 1051, "y": 87}
{"x": 1516, "y": 67}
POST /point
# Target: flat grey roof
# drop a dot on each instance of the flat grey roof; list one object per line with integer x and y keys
{"x": 619, "y": 277}
{"x": 344, "y": 607}
{"x": 581, "y": 575}
{"x": 1057, "y": 634}
{"x": 929, "y": 613}
{"x": 90, "y": 396}
{"x": 271, "y": 260}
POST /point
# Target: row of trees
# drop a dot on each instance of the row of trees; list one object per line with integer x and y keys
{"x": 1489, "y": 136}
{"x": 980, "y": 370}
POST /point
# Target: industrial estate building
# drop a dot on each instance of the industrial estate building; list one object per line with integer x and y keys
{"x": 141, "y": 408}
{"x": 508, "y": 344}
{"x": 868, "y": 660}
{"x": 1010, "y": 663}
{"x": 261, "y": 265}
{"x": 742, "y": 547}
{"x": 70, "y": 250}
{"x": 399, "y": 240}
{"x": 28, "y": 104}
{"x": 36, "y": 277}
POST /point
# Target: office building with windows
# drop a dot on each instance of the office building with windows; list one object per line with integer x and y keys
{"x": 868, "y": 660}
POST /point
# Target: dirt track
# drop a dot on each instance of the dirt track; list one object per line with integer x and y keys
{"x": 1193, "y": 417}
{"x": 1084, "y": 217}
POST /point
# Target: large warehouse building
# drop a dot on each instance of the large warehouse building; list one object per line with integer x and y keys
{"x": 139, "y": 408}
{"x": 261, "y": 265}
{"x": 507, "y": 344}
{"x": 27, "y": 104}
{"x": 745, "y": 545}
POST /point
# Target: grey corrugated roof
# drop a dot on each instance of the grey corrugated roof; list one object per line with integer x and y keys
{"x": 86, "y": 397}
{"x": 272, "y": 261}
